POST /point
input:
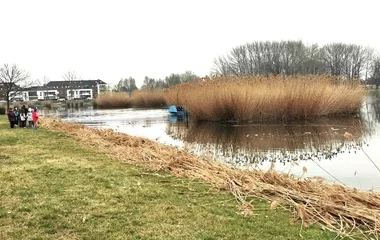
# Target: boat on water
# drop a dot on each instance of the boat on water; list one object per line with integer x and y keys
{"x": 177, "y": 113}
{"x": 177, "y": 110}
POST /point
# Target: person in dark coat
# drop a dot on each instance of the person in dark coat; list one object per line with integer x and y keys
{"x": 12, "y": 118}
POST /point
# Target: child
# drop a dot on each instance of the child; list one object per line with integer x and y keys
{"x": 35, "y": 118}
{"x": 17, "y": 115}
{"x": 22, "y": 118}
{"x": 29, "y": 117}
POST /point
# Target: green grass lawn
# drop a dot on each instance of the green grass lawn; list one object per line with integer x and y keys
{"x": 53, "y": 188}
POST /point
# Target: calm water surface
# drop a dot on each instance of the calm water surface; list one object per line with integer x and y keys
{"x": 318, "y": 145}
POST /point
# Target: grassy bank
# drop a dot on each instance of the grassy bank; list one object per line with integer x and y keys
{"x": 341, "y": 209}
{"x": 56, "y": 187}
{"x": 262, "y": 98}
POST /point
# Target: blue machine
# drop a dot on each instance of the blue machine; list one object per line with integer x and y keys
{"x": 177, "y": 113}
{"x": 175, "y": 110}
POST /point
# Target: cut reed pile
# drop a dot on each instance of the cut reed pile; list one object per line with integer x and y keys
{"x": 257, "y": 98}
{"x": 346, "y": 211}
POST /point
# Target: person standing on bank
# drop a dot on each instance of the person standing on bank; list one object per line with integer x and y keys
{"x": 29, "y": 117}
{"x": 22, "y": 118}
{"x": 11, "y": 118}
{"x": 17, "y": 116}
{"x": 35, "y": 118}
{"x": 23, "y": 113}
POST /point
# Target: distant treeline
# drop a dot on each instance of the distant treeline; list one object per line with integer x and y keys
{"x": 296, "y": 58}
{"x": 287, "y": 58}
{"x": 129, "y": 84}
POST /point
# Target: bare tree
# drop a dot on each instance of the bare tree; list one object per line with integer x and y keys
{"x": 148, "y": 83}
{"x": 126, "y": 85}
{"x": 70, "y": 76}
{"x": 221, "y": 67}
{"x": 129, "y": 85}
{"x": 172, "y": 80}
{"x": 313, "y": 61}
{"x": 160, "y": 84}
{"x": 375, "y": 72}
{"x": 293, "y": 58}
{"x": 188, "y": 76}
{"x": 359, "y": 59}
{"x": 12, "y": 81}
{"x": 42, "y": 85}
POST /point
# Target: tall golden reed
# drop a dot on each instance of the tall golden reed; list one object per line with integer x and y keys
{"x": 113, "y": 100}
{"x": 139, "y": 98}
{"x": 148, "y": 98}
{"x": 263, "y": 98}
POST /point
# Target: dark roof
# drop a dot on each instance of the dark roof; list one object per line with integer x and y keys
{"x": 74, "y": 83}
{"x": 32, "y": 88}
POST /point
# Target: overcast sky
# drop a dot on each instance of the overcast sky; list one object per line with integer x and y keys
{"x": 115, "y": 39}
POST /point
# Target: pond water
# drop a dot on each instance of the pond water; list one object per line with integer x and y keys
{"x": 313, "y": 148}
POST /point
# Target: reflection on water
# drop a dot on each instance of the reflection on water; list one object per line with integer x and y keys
{"x": 258, "y": 143}
{"x": 148, "y": 123}
{"x": 319, "y": 145}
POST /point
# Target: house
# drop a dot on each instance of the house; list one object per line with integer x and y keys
{"x": 54, "y": 90}
{"x": 25, "y": 94}
{"x": 74, "y": 89}
{"x": 13, "y": 95}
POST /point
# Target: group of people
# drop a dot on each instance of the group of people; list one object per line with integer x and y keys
{"x": 23, "y": 116}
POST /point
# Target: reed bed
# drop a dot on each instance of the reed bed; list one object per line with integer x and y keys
{"x": 147, "y": 98}
{"x": 262, "y": 98}
{"x": 113, "y": 100}
{"x": 139, "y": 98}
{"x": 349, "y": 212}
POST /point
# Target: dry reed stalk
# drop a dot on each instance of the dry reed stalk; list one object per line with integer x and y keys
{"x": 253, "y": 98}
{"x": 148, "y": 98}
{"x": 346, "y": 211}
{"x": 113, "y": 100}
